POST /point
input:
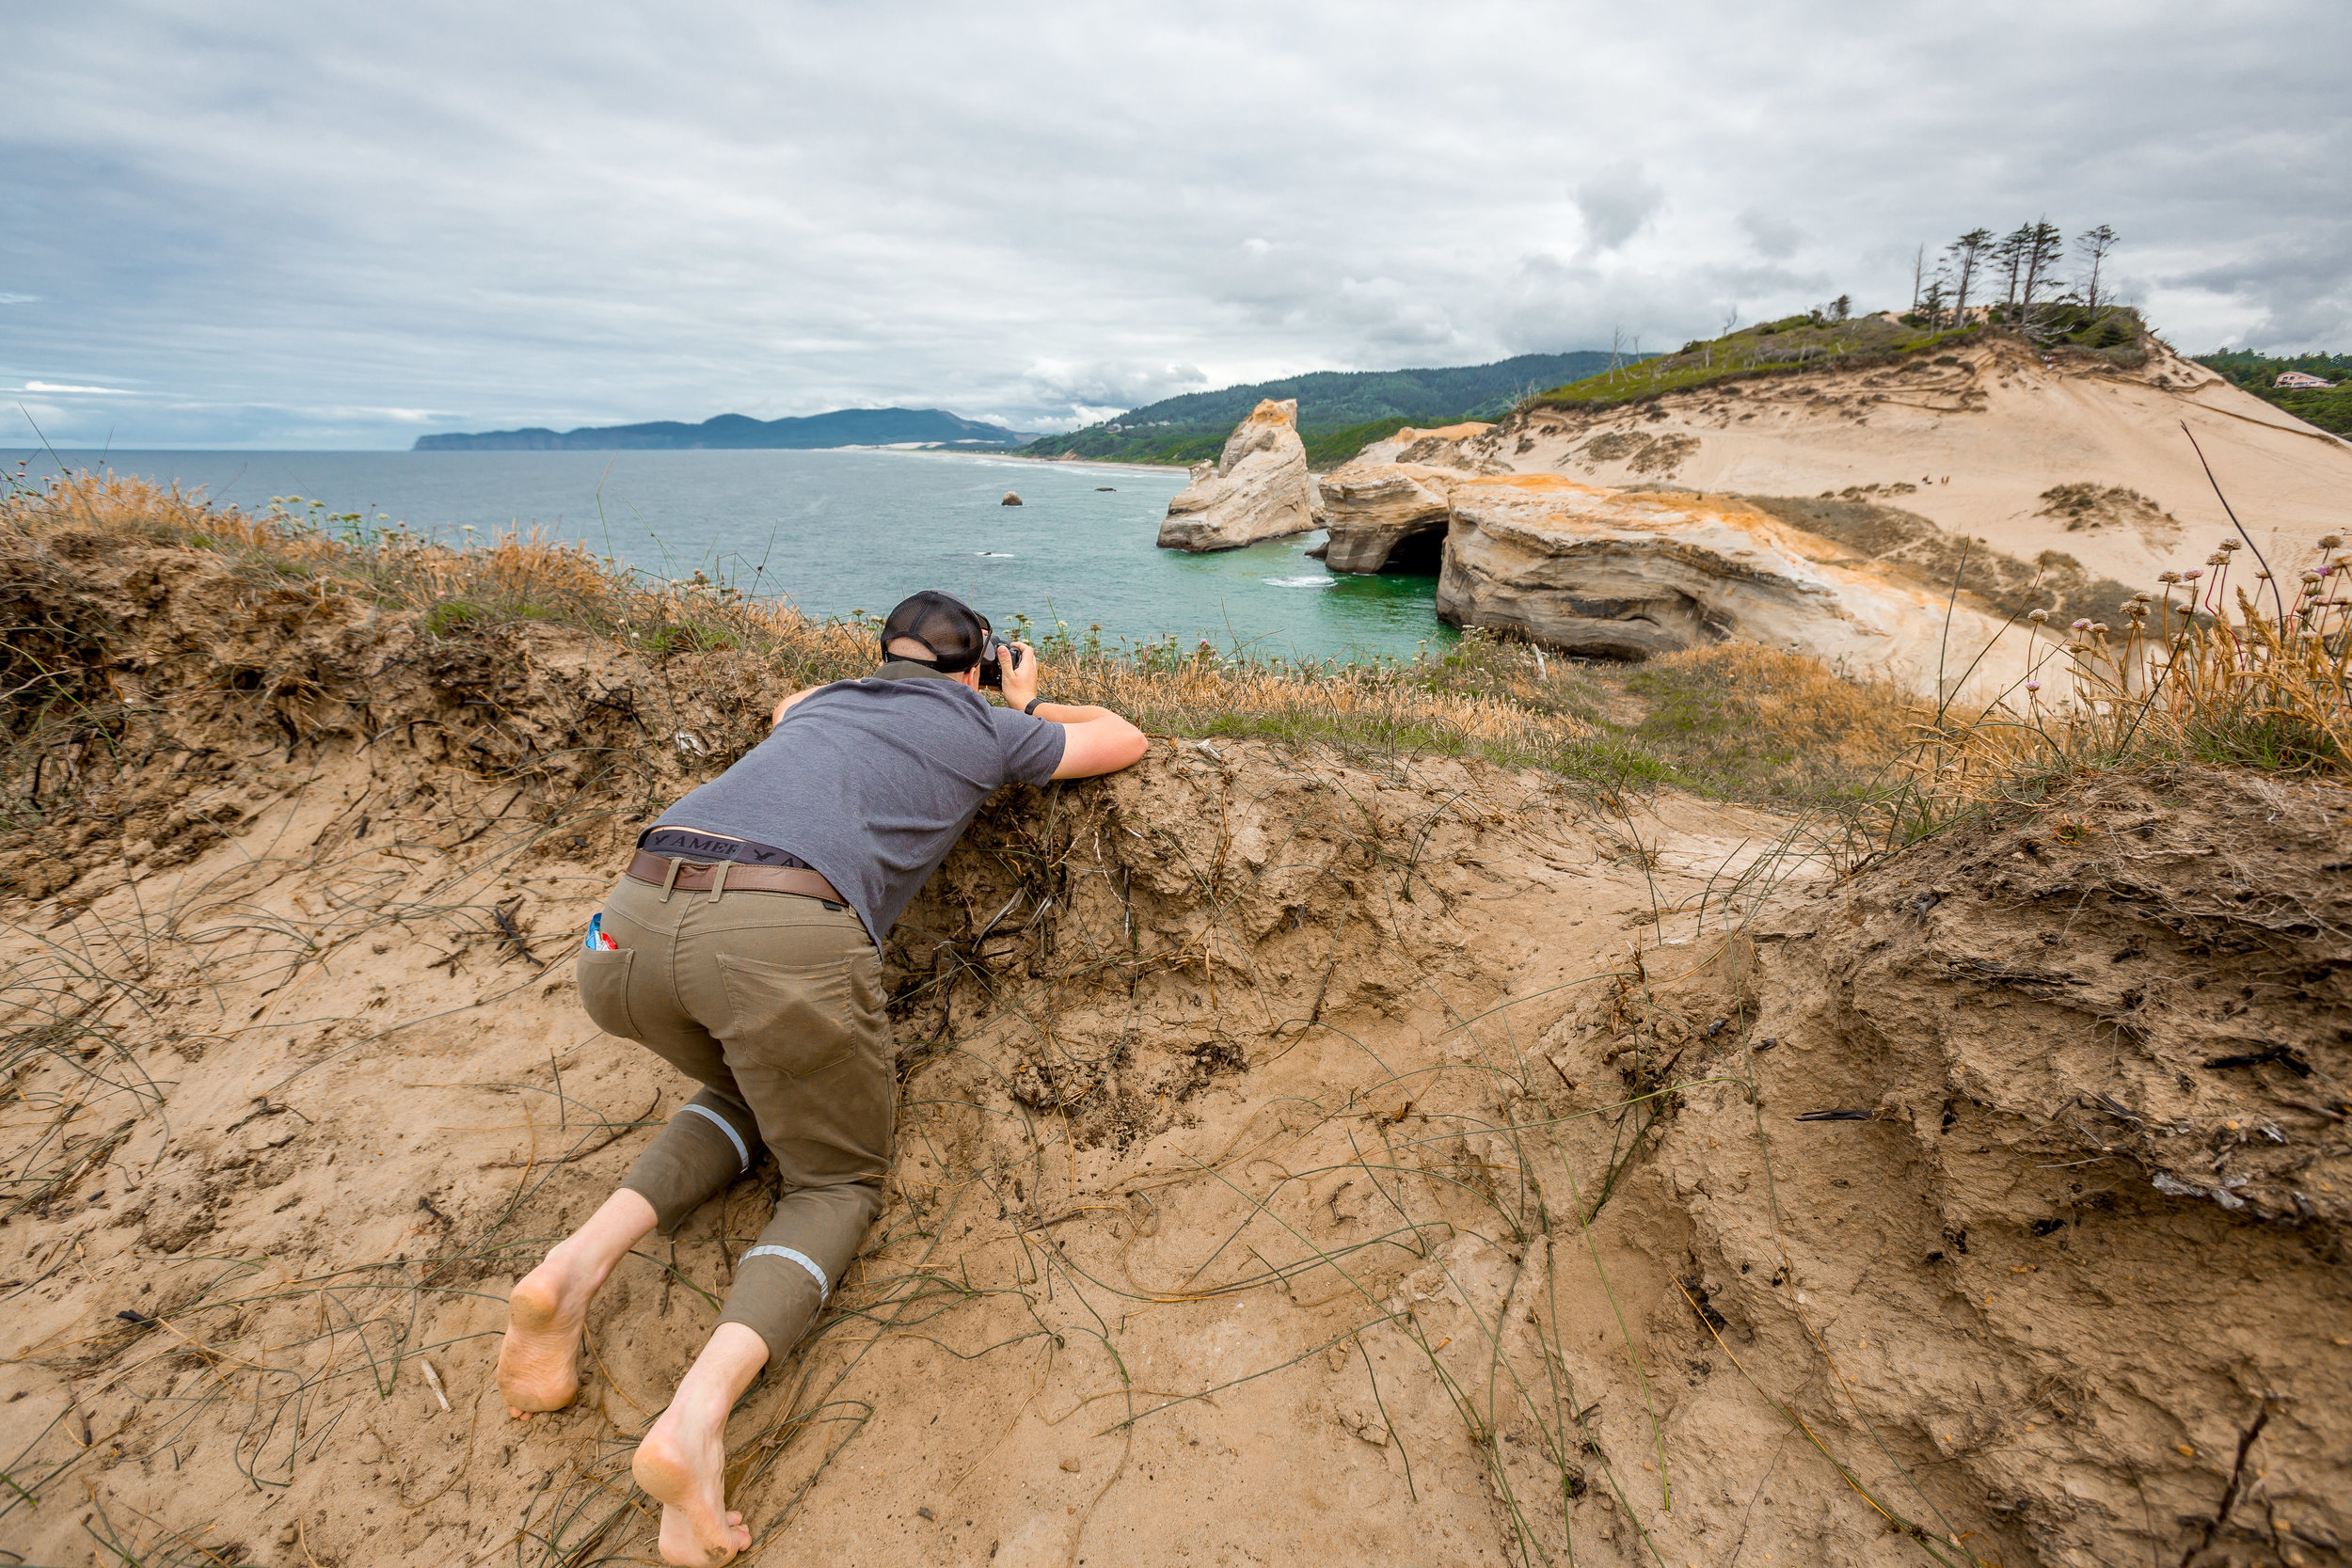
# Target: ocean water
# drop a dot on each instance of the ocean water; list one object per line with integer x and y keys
{"x": 835, "y": 531}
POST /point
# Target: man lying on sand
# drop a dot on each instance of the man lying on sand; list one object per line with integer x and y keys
{"x": 741, "y": 947}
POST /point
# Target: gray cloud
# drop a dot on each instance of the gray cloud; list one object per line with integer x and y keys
{"x": 1772, "y": 235}
{"x": 2306, "y": 294}
{"x": 275, "y": 224}
{"x": 1617, "y": 202}
{"x": 1084, "y": 394}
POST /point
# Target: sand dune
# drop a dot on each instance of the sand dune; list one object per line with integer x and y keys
{"x": 1976, "y": 445}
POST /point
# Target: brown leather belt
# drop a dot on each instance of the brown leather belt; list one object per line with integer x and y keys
{"x": 698, "y": 876}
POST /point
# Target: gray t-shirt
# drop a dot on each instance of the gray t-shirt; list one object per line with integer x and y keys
{"x": 871, "y": 781}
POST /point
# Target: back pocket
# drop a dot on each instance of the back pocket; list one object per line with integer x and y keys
{"x": 794, "y": 1018}
{"x": 604, "y": 989}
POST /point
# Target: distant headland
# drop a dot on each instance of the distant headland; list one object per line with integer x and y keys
{"x": 843, "y": 427}
{"x": 1340, "y": 412}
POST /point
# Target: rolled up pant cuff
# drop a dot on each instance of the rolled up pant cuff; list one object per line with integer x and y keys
{"x": 709, "y": 1143}
{"x": 777, "y": 1293}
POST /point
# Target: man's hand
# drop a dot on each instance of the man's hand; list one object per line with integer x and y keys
{"x": 1018, "y": 685}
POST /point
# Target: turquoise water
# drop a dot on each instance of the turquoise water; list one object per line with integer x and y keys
{"x": 835, "y": 531}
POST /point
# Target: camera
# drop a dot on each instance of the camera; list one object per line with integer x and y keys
{"x": 992, "y": 673}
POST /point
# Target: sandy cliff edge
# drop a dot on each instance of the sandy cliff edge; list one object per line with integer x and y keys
{"x": 1408, "y": 1159}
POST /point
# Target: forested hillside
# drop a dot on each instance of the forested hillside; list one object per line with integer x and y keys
{"x": 843, "y": 427}
{"x": 1339, "y": 411}
{"x": 2328, "y": 409}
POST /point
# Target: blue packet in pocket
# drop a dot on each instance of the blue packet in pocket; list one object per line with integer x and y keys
{"x": 598, "y": 941}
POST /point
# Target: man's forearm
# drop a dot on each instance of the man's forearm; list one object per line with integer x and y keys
{"x": 1095, "y": 740}
{"x": 1072, "y": 713}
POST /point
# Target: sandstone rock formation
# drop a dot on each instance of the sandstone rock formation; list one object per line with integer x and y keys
{"x": 1608, "y": 574}
{"x": 1013, "y": 498}
{"x": 1386, "y": 514}
{"x": 1259, "y": 488}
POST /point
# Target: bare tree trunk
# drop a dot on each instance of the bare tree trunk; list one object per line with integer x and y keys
{"x": 2096, "y": 243}
{"x": 2034, "y": 259}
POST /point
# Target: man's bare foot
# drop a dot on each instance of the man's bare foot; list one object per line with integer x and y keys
{"x": 682, "y": 1464}
{"x": 539, "y": 1358}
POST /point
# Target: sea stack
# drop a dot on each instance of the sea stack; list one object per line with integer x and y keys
{"x": 1259, "y": 488}
{"x": 1013, "y": 498}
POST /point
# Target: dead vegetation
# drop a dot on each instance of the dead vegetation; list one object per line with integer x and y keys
{"x": 2087, "y": 505}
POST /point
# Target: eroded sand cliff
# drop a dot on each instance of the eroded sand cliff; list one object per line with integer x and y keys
{"x": 1419, "y": 1163}
{"x": 1694, "y": 517}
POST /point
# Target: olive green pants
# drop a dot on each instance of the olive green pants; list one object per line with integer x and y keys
{"x": 774, "y": 1003}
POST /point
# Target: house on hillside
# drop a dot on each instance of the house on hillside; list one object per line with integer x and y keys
{"x": 2298, "y": 381}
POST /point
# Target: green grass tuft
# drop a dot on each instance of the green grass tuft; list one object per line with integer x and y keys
{"x": 1815, "y": 342}
{"x": 450, "y": 617}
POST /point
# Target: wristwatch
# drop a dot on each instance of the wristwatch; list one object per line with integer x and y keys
{"x": 1030, "y": 706}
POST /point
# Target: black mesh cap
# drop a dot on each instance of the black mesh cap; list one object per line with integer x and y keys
{"x": 951, "y": 629}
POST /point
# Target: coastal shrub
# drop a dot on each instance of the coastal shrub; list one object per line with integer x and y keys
{"x": 1769, "y": 348}
{"x": 449, "y": 617}
{"x": 1327, "y": 449}
{"x": 2327, "y": 407}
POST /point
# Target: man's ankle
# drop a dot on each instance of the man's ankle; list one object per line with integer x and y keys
{"x": 701, "y": 1405}
{"x": 573, "y": 1272}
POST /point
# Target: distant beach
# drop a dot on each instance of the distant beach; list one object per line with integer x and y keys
{"x": 1046, "y": 462}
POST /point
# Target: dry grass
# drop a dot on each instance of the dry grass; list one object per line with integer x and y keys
{"x": 1739, "y": 710}
{"x": 1736, "y": 722}
{"x": 2197, "y": 671}
{"x": 2200, "y": 672}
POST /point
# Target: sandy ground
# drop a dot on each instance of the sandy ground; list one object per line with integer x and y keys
{"x": 1975, "y": 445}
{"x": 1301, "y": 1157}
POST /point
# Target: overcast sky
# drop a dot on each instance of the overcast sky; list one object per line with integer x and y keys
{"x": 293, "y": 225}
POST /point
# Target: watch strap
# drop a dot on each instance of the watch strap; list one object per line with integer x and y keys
{"x": 1029, "y": 707}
